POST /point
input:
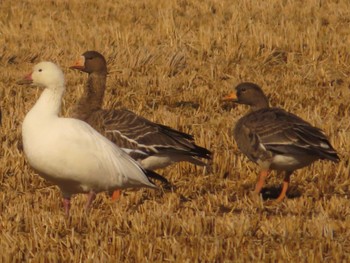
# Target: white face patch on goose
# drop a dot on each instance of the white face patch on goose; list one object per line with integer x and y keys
{"x": 82, "y": 61}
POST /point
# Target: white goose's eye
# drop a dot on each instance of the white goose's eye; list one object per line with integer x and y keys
{"x": 40, "y": 70}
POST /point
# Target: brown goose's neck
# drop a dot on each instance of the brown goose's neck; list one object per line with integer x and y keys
{"x": 92, "y": 98}
{"x": 261, "y": 103}
{"x": 259, "y": 107}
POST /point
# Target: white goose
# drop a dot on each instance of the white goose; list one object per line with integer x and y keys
{"x": 69, "y": 152}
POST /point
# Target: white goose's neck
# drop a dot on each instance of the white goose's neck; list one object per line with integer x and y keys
{"x": 49, "y": 103}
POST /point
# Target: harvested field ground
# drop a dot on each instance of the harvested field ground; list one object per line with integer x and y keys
{"x": 172, "y": 61}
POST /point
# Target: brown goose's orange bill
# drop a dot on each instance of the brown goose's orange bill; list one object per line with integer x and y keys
{"x": 230, "y": 97}
{"x": 79, "y": 63}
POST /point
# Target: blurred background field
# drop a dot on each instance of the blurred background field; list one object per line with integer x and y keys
{"x": 172, "y": 61}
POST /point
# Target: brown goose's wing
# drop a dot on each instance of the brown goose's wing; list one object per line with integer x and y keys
{"x": 142, "y": 138}
{"x": 281, "y": 132}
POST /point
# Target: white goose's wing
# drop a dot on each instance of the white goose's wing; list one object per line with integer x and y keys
{"x": 94, "y": 160}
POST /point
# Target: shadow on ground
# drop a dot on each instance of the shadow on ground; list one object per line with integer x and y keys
{"x": 274, "y": 191}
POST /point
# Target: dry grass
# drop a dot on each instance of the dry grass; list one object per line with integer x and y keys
{"x": 172, "y": 61}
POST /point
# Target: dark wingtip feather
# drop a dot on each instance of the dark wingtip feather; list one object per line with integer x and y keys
{"x": 202, "y": 152}
{"x": 172, "y": 132}
{"x": 330, "y": 155}
{"x": 153, "y": 175}
{"x": 197, "y": 151}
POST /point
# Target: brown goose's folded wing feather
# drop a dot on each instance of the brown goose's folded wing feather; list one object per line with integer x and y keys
{"x": 143, "y": 137}
{"x": 281, "y": 132}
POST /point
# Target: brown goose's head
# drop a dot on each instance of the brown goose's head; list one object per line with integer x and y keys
{"x": 250, "y": 94}
{"x": 91, "y": 62}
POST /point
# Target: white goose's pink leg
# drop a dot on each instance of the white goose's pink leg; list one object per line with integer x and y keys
{"x": 66, "y": 205}
{"x": 91, "y": 198}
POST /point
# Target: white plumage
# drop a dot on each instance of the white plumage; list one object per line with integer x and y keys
{"x": 69, "y": 152}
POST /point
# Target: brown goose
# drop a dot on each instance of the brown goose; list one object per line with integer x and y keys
{"x": 153, "y": 145}
{"x": 276, "y": 139}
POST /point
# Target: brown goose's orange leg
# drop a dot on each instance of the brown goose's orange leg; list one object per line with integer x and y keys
{"x": 286, "y": 181}
{"x": 116, "y": 195}
{"x": 259, "y": 185}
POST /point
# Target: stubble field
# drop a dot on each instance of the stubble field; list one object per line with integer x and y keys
{"x": 172, "y": 61}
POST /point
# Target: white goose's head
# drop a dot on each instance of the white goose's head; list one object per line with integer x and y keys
{"x": 45, "y": 74}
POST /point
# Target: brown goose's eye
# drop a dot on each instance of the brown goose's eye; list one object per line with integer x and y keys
{"x": 40, "y": 70}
